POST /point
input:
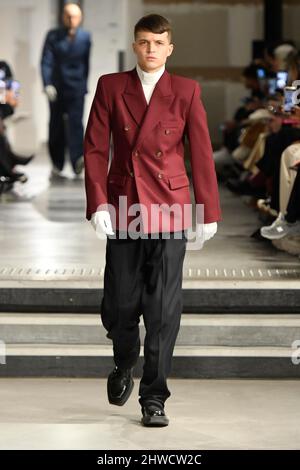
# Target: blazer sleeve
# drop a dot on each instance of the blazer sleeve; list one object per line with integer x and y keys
{"x": 47, "y": 59}
{"x": 202, "y": 163}
{"x": 87, "y": 56}
{"x": 96, "y": 152}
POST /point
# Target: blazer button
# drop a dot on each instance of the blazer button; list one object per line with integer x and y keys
{"x": 159, "y": 175}
{"x": 126, "y": 128}
{"x": 167, "y": 131}
{"x": 159, "y": 153}
{"x": 136, "y": 153}
{"x": 131, "y": 173}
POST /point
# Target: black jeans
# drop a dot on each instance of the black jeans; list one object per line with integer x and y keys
{"x": 144, "y": 277}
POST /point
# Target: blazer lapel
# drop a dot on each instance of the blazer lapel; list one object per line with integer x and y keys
{"x": 148, "y": 116}
{"x": 134, "y": 97}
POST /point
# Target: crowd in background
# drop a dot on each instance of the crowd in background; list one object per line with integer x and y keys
{"x": 260, "y": 155}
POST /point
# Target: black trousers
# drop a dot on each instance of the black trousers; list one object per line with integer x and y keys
{"x": 69, "y": 135}
{"x": 144, "y": 277}
{"x": 293, "y": 207}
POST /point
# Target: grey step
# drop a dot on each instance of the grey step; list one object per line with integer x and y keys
{"x": 199, "y": 295}
{"x": 205, "y": 330}
{"x": 58, "y": 360}
{"x": 179, "y": 351}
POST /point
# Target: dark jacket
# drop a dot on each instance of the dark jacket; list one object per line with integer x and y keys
{"x": 65, "y": 63}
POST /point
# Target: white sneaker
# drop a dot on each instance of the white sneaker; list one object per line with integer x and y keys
{"x": 277, "y": 221}
{"x": 279, "y": 229}
{"x": 57, "y": 175}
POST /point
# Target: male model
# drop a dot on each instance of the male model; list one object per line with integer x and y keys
{"x": 65, "y": 68}
{"x": 149, "y": 112}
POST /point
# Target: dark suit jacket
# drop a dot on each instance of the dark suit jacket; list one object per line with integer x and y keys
{"x": 65, "y": 63}
{"x": 148, "y": 149}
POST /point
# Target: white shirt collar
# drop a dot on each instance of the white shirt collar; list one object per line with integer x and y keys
{"x": 149, "y": 78}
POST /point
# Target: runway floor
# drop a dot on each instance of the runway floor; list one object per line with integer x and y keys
{"x": 219, "y": 414}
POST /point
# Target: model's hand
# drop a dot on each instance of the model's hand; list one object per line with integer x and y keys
{"x": 210, "y": 230}
{"x": 51, "y": 92}
{"x": 100, "y": 221}
{"x": 206, "y": 231}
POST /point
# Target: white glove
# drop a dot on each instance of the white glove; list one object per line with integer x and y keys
{"x": 51, "y": 92}
{"x": 101, "y": 222}
{"x": 206, "y": 231}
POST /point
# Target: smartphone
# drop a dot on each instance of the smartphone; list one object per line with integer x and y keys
{"x": 281, "y": 79}
{"x": 260, "y": 73}
{"x": 288, "y": 98}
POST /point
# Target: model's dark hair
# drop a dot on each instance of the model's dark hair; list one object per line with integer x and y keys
{"x": 154, "y": 23}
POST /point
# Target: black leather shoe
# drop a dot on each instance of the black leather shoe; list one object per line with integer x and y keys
{"x": 20, "y": 160}
{"x": 16, "y": 176}
{"x": 6, "y": 183}
{"x": 119, "y": 386}
{"x": 153, "y": 415}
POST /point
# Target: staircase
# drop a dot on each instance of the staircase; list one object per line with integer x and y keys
{"x": 224, "y": 345}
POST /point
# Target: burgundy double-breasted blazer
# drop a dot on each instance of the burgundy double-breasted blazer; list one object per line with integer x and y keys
{"x": 147, "y": 163}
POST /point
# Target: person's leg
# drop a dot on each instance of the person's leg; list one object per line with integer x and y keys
{"x": 287, "y": 176}
{"x": 293, "y": 210}
{"x": 56, "y": 142}
{"x": 6, "y": 164}
{"x": 123, "y": 286}
{"x": 161, "y": 309}
{"x": 287, "y": 224}
{"x": 75, "y": 108}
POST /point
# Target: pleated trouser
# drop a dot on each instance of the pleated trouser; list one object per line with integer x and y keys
{"x": 144, "y": 277}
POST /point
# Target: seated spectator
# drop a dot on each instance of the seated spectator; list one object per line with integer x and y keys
{"x": 8, "y": 158}
{"x": 288, "y": 223}
{"x": 232, "y": 129}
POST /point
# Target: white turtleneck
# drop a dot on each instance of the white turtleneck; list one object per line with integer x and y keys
{"x": 149, "y": 80}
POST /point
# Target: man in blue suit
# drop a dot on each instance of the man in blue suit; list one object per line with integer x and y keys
{"x": 65, "y": 68}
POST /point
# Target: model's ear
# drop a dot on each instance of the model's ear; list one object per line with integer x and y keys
{"x": 171, "y": 47}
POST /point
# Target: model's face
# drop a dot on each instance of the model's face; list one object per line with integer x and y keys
{"x": 152, "y": 50}
{"x": 72, "y": 17}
